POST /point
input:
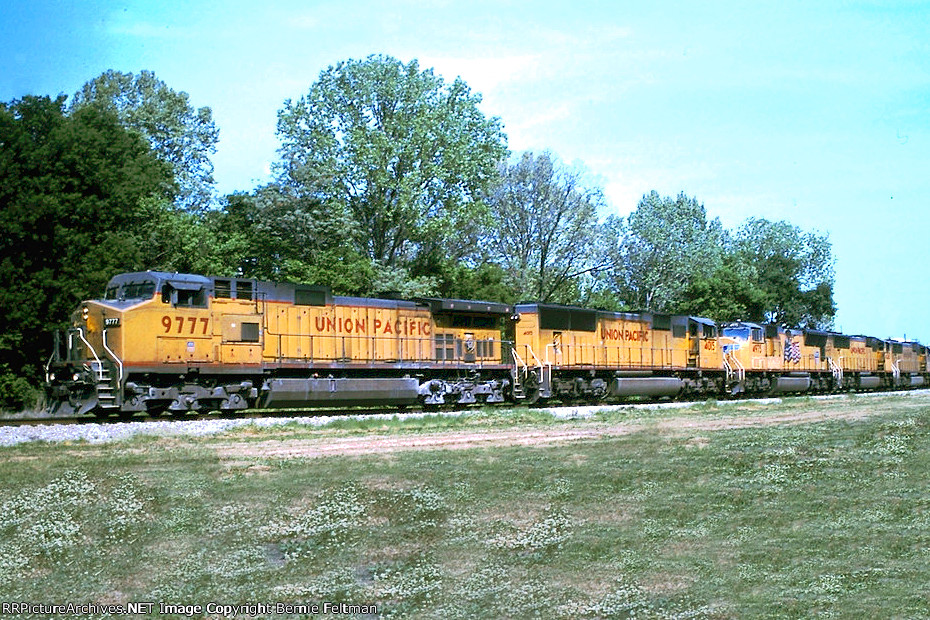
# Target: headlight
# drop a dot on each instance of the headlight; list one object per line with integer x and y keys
{"x": 76, "y": 377}
{"x": 51, "y": 377}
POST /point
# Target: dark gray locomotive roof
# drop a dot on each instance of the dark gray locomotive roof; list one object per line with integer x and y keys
{"x": 573, "y": 318}
{"x": 438, "y": 305}
{"x": 303, "y": 294}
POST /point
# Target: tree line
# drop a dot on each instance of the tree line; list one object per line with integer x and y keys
{"x": 388, "y": 179}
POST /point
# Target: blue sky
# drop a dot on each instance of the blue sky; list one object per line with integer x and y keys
{"x": 816, "y": 113}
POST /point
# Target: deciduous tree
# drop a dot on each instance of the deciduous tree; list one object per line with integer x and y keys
{"x": 181, "y": 135}
{"x": 546, "y": 230}
{"x": 795, "y": 271}
{"x": 71, "y": 194}
{"x": 274, "y": 233}
{"x": 404, "y": 154}
{"x": 668, "y": 243}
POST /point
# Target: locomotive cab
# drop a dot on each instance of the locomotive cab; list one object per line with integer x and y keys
{"x": 91, "y": 372}
{"x": 702, "y": 343}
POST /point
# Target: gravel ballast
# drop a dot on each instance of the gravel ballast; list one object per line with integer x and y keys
{"x": 97, "y": 433}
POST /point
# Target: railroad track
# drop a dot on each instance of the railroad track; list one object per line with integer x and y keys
{"x": 40, "y": 421}
{"x": 362, "y": 411}
{"x": 186, "y": 417}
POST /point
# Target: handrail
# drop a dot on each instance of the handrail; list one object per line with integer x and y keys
{"x": 734, "y": 367}
{"x": 741, "y": 370}
{"x": 119, "y": 363}
{"x": 93, "y": 352}
{"x": 836, "y": 369}
{"x": 369, "y": 348}
{"x": 517, "y": 360}
{"x": 556, "y": 354}
{"x": 48, "y": 365}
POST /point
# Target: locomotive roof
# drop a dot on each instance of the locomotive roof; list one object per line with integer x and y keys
{"x": 178, "y": 280}
{"x": 285, "y": 291}
{"x": 437, "y": 305}
{"x": 740, "y": 324}
{"x": 632, "y": 316}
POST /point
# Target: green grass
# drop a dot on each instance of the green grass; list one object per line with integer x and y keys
{"x": 819, "y": 520}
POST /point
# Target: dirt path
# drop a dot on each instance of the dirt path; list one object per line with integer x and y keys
{"x": 683, "y": 425}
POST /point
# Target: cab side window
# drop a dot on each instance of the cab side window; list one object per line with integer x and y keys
{"x": 184, "y": 298}
{"x": 192, "y": 299}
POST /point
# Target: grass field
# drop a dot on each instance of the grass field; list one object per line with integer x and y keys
{"x": 821, "y": 519}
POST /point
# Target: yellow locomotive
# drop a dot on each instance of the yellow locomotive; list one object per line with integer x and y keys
{"x": 581, "y": 354}
{"x": 177, "y": 342}
{"x": 172, "y": 342}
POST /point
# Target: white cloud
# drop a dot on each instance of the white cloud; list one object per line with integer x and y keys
{"x": 483, "y": 74}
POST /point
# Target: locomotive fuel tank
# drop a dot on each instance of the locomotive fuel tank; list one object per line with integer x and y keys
{"x": 646, "y": 386}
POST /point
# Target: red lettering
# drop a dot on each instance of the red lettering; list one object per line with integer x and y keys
{"x": 628, "y": 335}
{"x": 387, "y": 328}
{"x": 377, "y": 325}
{"x": 360, "y": 326}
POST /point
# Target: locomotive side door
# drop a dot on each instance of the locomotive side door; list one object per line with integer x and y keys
{"x": 694, "y": 344}
{"x": 470, "y": 348}
{"x": 557, "y": 348}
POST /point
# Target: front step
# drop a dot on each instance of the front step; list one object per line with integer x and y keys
{"x": 106, "y": 398}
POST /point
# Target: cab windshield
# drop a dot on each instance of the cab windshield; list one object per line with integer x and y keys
{"x": 143, "y": 289}
{"x": 740, "y": 333}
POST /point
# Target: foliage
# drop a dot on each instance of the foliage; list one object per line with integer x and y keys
{"x": 181, "y": 135}
{"x": 16, "y": 393}
{"x": 667, "y": 243}
{"x": 486, "y": 280}
{"x": 399, "y": 151}
{"x": 390, "y": 180}
{"x": 794, "y": 271}
{"x": 72, "y": 190}
{"x": 174, "y": 239}
{"x": 545, "y": 227}
{"x": 730, "y": 293}
{"x": 277, "y": 233}
{"x": 670, "y": 258}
